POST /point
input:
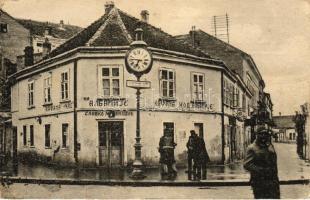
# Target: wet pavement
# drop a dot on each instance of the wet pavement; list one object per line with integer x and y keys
{"x": 289, "y": 165}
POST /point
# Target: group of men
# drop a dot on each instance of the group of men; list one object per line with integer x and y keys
{"x": 197, "y": 156}
{"x": 260, "y": 161}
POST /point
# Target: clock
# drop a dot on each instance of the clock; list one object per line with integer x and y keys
{"x": 138, "y": 61}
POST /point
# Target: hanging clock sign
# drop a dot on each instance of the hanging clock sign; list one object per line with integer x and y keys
{"x": 138, "y": 60}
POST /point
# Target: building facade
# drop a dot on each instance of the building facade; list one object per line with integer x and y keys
{"x": 74, "y": 106}
{"x": 243, "y": 66}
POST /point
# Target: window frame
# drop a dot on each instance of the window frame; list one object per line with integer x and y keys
{"x": 30, "y": 93}
{"x": 47, "y": 87}
{"x": 49, "y": 136}
{"x": 66, "y": 146}
{"x": 31, "y": 135}
{"x": 6, "y": 28}
{"x": 25, "y": 135}
{"x": 161, "y": 90}
{"x": 63, "y": 89}
{"x": 193, "y": 93}
{"x": 110, "y": 77}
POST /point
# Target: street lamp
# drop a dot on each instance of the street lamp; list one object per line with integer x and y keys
{"x": 138, "y": 61}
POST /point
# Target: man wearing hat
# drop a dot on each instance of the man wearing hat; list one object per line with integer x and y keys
{"x": 261, "y": 162}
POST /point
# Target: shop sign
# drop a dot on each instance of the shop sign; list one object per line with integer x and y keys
{"x": 58, "y": 107}
{"x": 184, "y": 106}
{"x": 108, "y": 102}
{"x": 108, "y": 113}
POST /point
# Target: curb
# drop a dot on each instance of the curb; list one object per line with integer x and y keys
{"x": 140, "y": 183}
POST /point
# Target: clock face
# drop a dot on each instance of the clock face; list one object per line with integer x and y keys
{"x": 139, "y": 59}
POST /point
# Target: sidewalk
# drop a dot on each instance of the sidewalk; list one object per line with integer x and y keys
{"x": 291, "y": 170}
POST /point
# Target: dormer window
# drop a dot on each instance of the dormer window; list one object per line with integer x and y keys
{"x": 3, "y": 28}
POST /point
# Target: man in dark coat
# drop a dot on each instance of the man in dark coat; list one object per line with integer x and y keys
{"x": 191, "y": 152}
{"x": 261, "y": 162}
{"x": 167, "y": 160}
{"x": 201, "y": 159}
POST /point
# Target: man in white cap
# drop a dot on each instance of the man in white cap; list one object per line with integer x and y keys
{"x": 261, "y": 162}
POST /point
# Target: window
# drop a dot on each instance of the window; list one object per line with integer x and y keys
{"x": 31, "y": 94}
{"x": 231, "y": 95}
{"x": 65, "y": 129}
{"x": 47, "y": 89}
{"x": 64, "y": 86}
{"x": 167, "y": 83}
{"x": 3, "y": 28}
{"x": 25, "y": 135}
{"x": 197, "y": 87}
{"x": 47, "y": 135}
{"x": 243, "y": 102}
{"x": 31, "y": 136}
{"x": 169, "y": 128}
{"x": 111, "y": 81}
{"x": 224, "y": 92}
{"x": 236, "y": 98}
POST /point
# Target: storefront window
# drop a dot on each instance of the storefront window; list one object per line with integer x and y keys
{"x": 65, "y": 128}
{"x": 25, "y": 135}
{"x": 47, "y": 135}
{"x": 167, "y": 83}
{"x": 31, "y": 136}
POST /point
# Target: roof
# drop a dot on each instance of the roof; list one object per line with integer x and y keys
{"x": 284, "y": 121}
{"x": 117, "y": 28}
{"x": 38, "y": 28}
{"x": 232, "y": 56}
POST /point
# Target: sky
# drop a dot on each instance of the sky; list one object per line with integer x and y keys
{"x": 276, "y": 33}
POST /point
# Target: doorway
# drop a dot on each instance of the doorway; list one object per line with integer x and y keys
{"x": 199, "y": 129}
{"x": 111, "y": 137}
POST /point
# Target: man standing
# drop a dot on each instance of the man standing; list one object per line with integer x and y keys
{"x": 261, "y": 162}
{"x": 201, "y": 160}
{"x": 167, "y": 160}
{"x": 191, "y": 150}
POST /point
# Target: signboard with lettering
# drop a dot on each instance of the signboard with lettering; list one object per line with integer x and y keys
{"x": 138, "y": 84}
{"x": 62, "y": 106}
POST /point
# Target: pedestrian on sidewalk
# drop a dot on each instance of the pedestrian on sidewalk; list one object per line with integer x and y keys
{"x": 167, "y": 160}
{"x": 191, "y": 152}
{"x": 201, "y": 159}
{"x": 261, "y": 162}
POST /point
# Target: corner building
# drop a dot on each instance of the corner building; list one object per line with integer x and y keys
{"x": 74, "y": 107}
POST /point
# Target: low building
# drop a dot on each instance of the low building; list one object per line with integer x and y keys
{"x": 74, "y": 107}
{"x": 284, "y": 129}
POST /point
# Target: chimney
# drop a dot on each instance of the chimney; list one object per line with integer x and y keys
{"x": 47, "y": 31}
{"x": 109, "y": 5}
{"x": 61, "y": 24}
{"x": 145, "y": 16}
{"x": 192, "y": 34}
{"x": 46, "y": 48}
{"x": 28, "y": 56}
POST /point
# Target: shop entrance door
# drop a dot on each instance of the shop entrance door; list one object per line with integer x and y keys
{"x": 111, "y": 135}
{"x": 199, "y": 129}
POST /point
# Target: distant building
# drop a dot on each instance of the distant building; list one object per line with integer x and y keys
{"x": 42, "y": 33}
{"x": 284, "y": 128}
